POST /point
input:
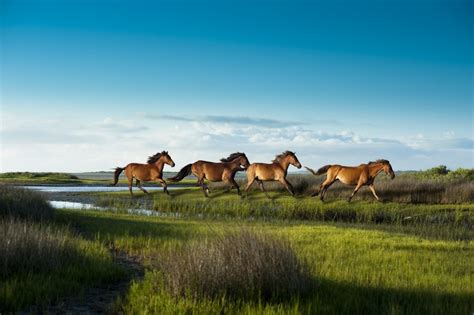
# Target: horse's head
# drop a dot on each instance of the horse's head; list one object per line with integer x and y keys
{"x": 243, "y": 161}
{"x": 237, "y": 157}
{"x": 387, "y": 168}
{"x": 167, "y": 158}
{"x": 294, "y": 160}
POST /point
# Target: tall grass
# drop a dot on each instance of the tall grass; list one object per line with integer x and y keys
{"x": 403, "y": 189}
{"x": 22, "y": 203}
{"x": 458, "y": 219}
{"x": 359, "y": 269}
{"x": 237, "y": 265}
{"x": 39, "y": 261}
{"x": 27, "y": 247}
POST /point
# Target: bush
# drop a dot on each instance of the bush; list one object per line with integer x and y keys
{"x": 22, "y": 203}
{"x": 240, "y": 265}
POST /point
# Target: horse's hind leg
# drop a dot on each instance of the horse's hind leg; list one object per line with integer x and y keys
{"x": 203, "y": 186}
{"x": 249, "y": 184}
{"x": 325, "y": 187}
{"x": 262, "y": 188}
{"x": 326, "y": 182}
{"x": 139, "y": 184}
{"x": 288, "y": 186}
{"x": 359, "y": 185}
{"x": 130, "y": 183}
{"x": 233, "y": 184}
{"x": 164, "y": 185}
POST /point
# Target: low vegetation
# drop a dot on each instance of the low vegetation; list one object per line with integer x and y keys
{"x": 405, "y": 188}
{"x": 358, "y": 268}
{"x": 442, "y": 172}
{"x": 451, "y": 220}
{"x": 410, "y": 254}
{"x": 237, "y": 265}
{"x": 39, "y": 261}
{"x": 24, "y": 204}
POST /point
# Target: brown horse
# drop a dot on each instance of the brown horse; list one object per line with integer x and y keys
{"x": 358, "y": 176}
{"x": 153, "y": 170}
{"x": 215, "y": 172}
{"x": 276, "y": 171}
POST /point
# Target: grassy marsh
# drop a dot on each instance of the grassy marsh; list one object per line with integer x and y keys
{"x": 359, "y": 268}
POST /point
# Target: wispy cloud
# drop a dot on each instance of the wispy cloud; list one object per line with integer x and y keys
{"x": 103, "y": 144}
{"x": 240, "y": 120}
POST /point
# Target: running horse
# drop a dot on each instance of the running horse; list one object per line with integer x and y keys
{"x": 275, "y": 171}
{"x": 215, "y": 172}
{"x": 358, "y": 176}
{"x": 153, "y": 170}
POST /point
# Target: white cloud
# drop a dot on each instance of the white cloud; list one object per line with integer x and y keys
{"x": 69, "y": 145}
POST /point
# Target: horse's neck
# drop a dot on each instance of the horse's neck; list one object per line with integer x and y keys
{"x": 284, "y": 163}
{"x": 160, "y": 165}
{"x": 233, "y": 165}
{"x": 375, "y": 169}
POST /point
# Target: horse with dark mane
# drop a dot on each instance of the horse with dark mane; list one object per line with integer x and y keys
{"x": 215, "y": 172}
{"x": 153, "y": 170}
{"x": 275, "y": 171}
{"x": 358, "y": 176}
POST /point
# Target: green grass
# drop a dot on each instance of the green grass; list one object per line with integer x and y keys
{"x": 27, "y": 178}
{"x": 366, "y": 257}
{"x": 41, "y": 262}
{"x": 51, "y": 178}
{"x": 454, "y": 221}
{"x": 359, "y": 268}
{"x": 24, "y": 204}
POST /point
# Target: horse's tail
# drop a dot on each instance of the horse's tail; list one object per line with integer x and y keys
{"x": 322, "y": 170}
{"x": 117, "y": 172}
{"x": 185, "y": 171}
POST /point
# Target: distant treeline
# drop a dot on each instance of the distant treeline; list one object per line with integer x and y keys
{"x": 37, "y": 175}
{"x": 442, "y": 172}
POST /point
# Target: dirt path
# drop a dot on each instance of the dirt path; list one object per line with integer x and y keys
{"x": 98, "y": 299}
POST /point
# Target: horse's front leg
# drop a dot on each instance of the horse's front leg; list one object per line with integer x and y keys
{"x": 288, "y": 186}
{"x": 139, "y": 185}
{"x": 372, "y": 188}
{"x": 164, "y": 185}
{"x": 359, "y": 185}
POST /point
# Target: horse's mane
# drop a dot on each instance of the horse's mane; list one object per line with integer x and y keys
{"x": 385, "y": 162}
{"x": 280, "y": 156}
{"x": 152, "y": 159}
{"x": 232, "y": 157}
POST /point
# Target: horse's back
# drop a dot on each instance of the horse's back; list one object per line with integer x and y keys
{"x": 212, "y": 170}
{"x": 349, "y": 174}
{"x": 265, "y": 171}
{"x": 142, "y": 171}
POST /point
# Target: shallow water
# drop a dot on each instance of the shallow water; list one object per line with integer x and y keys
{"x": 86, "y": 206}
{"x": 73, "y": 205}
{"x": 57, "y": 189}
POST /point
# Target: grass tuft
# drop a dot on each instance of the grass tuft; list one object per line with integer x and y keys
{"x": 237, "y": 265}
{"x": 22, "y": 203}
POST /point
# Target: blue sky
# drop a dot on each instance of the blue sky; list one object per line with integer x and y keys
{"x": 88, "y": 85}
